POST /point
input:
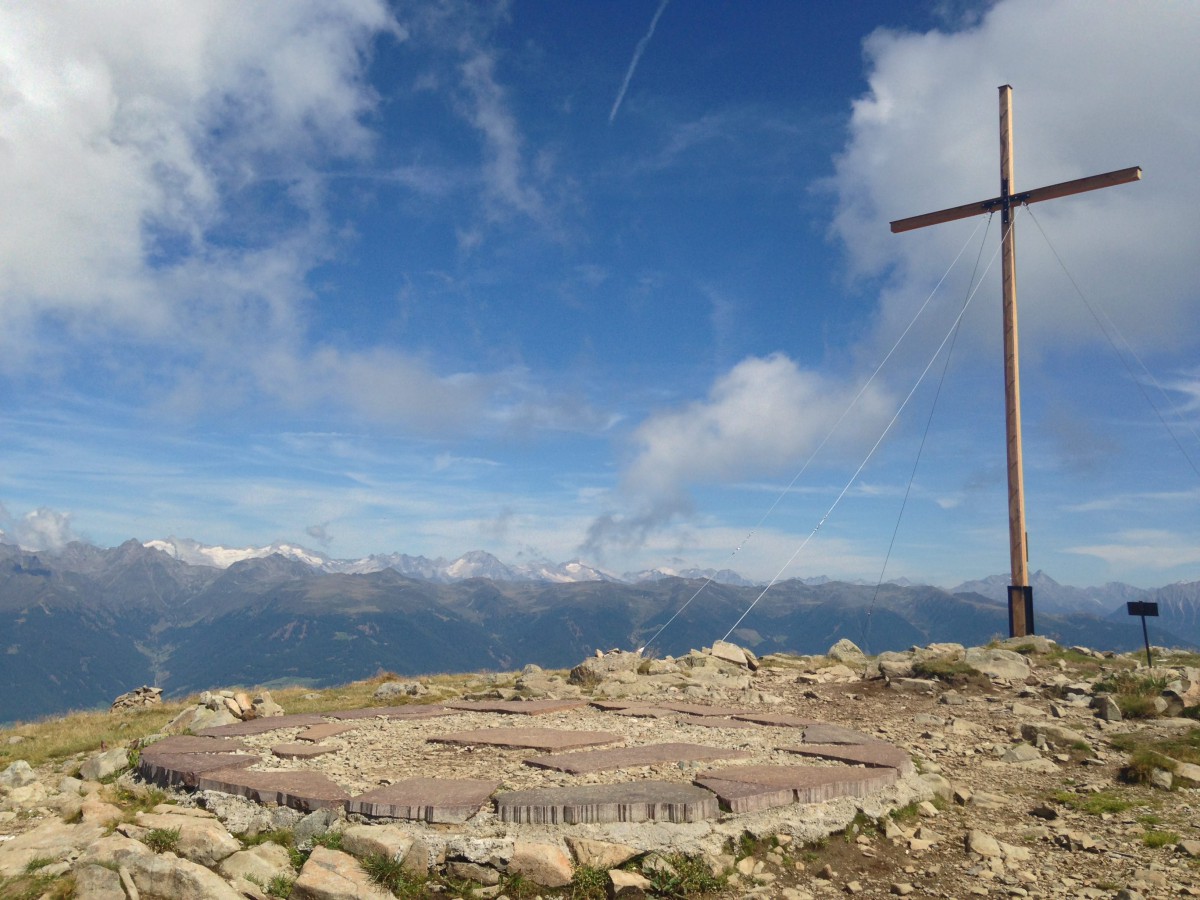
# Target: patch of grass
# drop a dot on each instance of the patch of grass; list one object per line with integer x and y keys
{"x": 1142, "y": 764}
{"x": 160, "y": 840}
{"x": 330, "y": 840}
{"x": 1155, "y": 839}
{"x": 280, "y": 886}
{"x": 390, "y": 874}
{"x": 910, "y": 812}
{"x": 37, "y": 886}
{"x": 861, "y": 824}
{"x": 132, "y": 801}
{"x": 1095, "y": 804}
{"x": 1134, "y": 694}
{"x": 38, "y": 863}
{"x": 55, "y": 739}
{"x": 588, "y": 883}
{"x": 686, "y": 876}
{"x": 1184, "y": 747}
{"x": 950, "y": 670}
{"x": 281, "y": 836}
{"x": 519, "y": 886}
{"x": 1149, "y": 819}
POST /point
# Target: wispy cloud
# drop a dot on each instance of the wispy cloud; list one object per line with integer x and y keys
{"x": 637, "y": 55}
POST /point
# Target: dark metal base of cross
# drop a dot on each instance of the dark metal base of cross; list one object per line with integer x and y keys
{"x": 1020, "y": 610}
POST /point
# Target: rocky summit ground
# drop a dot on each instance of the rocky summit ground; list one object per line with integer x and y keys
{"x": 1039, "y": 771}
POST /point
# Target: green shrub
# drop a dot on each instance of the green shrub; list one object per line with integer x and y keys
{"x": 330, "y": 840}
{"x": 685, "y": 876}
{"x": 1154, "y": 838}
{"x": 589, "y": 883}
{"x": 161, "y": 840}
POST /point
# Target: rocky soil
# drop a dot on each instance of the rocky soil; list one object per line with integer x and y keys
{"x": 1021, "y": 792}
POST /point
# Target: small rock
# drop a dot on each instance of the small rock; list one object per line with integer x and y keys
{"x": 982, "y": 844}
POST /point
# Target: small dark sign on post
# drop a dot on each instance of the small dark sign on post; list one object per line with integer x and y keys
{"x": 1143, "y": 608}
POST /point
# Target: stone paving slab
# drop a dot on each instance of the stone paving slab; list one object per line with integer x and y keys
{"x": 713, "y": 722}
{"x": 646, "y": 712}
{"x": 876, "y": 754}
{"x": 325, "y": 730}
{"x": 810, "y": 784}
{"x": 263, "y": 725}
{"x": 628, "y": 757}
{"x": 776, "y": 720}
{"x": 823, "y": 733}
{"x": 613, "y": 705}
{"x": 517, "y": 707}
{"x": 701, "y": 709}
{"x": 167, "y": 769}
{"x": 303, "y": 751}
{"x": 639, "y": 801}
{"x": 305, "y": 791}
{"x": 550, "y": 739}
{"x": 744, "y": 797}
{"x": 433, "y": 800}
{"x": 190, "y": 743}
{"x": 412, "y": 711}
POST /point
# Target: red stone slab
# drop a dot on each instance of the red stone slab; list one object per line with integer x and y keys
{"x": 434, "y": 800}
{"x": 638, "y": 801}
{"x": 824, "y": 733}
{"x": 190, "y": 743}
{"x": 709, "y": 722}
{"x": 646, "y": 712}
{"x": 700, "y": 709}
{"x": 878, "y": 754}
{"x": 742, "y": 797}
{"x": 412, "y": 711}
{"x": 263, "y": 725}
{"x": 303, "y": 751}
{"x": 325, "y": 730}
{"x": 550, "y": 739}
{"x": 167, "y": 769}
{"x": 630, "y": 757}
{"x": 516, "y": 707}
{"x": 304, "y": 791}
{"x": 611, "y": 705}
{"x": 776, "y": 720}
{"x": 810, "y": 784}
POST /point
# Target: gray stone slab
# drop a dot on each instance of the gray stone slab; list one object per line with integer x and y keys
{"x": 411, "y": 711}
{"x": 810, "y": 784}
{"x": 168, "y": 769}
{"x": 305, "y": 791}
{"x": 529, "y": 738}
{"x": 744, "y": 797}
{"x": 877, "y": 754}
{"x": 776, "y": 720}
{"x": 303, "y": 751}
{"x": 517, "y": 707}
{"x": 325, "y": 730}
{"x": 263, "y": 725}
{"x": 638, "y": 801}
{"x": 630, "y": 757}
{"x": 824, "y": 733}
{"x": 434, "y": 800}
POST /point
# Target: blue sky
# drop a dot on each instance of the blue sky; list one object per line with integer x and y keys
{"x": 595, "y": 280}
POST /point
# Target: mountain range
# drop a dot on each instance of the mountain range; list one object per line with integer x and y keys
{"x": 83, "y": 624}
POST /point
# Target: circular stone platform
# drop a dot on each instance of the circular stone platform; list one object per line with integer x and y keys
{"x": 478, "y": 770}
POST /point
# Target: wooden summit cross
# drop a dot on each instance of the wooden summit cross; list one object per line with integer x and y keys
{"x": 1020, "y": 594}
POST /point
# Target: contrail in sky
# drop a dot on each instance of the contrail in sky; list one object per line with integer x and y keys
{"x": 637, "y": 54}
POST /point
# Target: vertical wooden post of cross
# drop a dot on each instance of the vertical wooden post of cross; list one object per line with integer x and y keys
{"x": 1020, "y": 593}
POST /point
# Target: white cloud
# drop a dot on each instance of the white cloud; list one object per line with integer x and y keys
{"x": 1144, "y": 549}
{"x": 39, "y": 529}
{"x": 1095, "y": 89}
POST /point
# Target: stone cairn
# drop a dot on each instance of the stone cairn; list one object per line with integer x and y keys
{"x": 136, "y": 699}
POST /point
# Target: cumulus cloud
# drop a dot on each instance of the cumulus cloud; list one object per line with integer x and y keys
{"x": 766, "y": 415}
{"x": 39, "y": 529}
{"x": 1089, "y": 90}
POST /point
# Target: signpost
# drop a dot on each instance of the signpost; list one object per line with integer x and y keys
{"x": 1143, "y": 608}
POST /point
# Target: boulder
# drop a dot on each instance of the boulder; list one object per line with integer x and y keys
{"x": 545, "y": 864}
{"x": 95, "y": 882}
{"x": 333, "y": 875}
{"x": 52, "y": 840}
{"x": 600, "y": 854}
{"x": 18, "y": 774}
{"x": 104, "y": 765}
{"x": 265, "y": 706}
{"x": 998, "y": 663}
{"x": 596, "y": 669}
{"x": 203, "y": 841}
{"x": 846, "y": 651}
{"x": 391, "y": 690}
{"x": 628, "y": 884}
{"x": 165, "y": 875}
{"x": 260, "y": 863}
{"x": 381, "y": 840}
